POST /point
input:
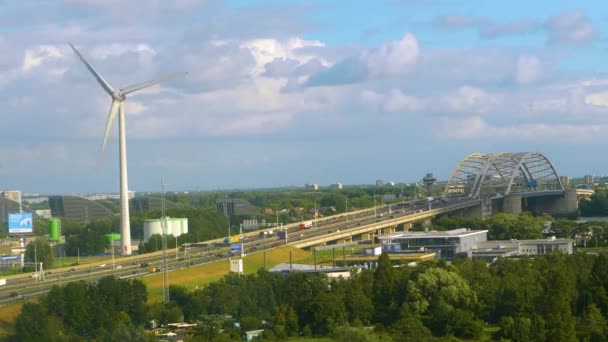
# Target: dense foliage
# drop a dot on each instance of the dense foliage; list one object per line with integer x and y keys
{"x": 111, "y": 310}
{"x": 39, "y": 251}
{"x": 551, "y": 298}
{"x": 500, "y": 226}
{"x": 597, "y": 205}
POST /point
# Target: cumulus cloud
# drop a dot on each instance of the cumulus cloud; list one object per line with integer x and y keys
{"x": 570, "y": 28}
{"x": 392, "y": 59}
{"x": 597, "y": 99}
{"x": 265, "y": 51}
{"x": 486, "y": 28}
{"x": 35, "y": 57}
{"x": 529, "y": 69}
{"x": 477, "y": 128}
{"x": 269, "y": 84}
{"x": 393, "y": 101}
{"x": 470, "y": 99}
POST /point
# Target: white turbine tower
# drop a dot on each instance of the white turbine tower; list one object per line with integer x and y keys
{"x": 118, "y": 98}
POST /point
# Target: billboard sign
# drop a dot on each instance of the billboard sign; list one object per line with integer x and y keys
{"x": 20, "y": 223}
{"x": 236, "y": 248}
{"x": 236, "y": 266}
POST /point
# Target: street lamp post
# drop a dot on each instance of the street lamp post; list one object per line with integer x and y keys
{"x": 346, "y": 207}
{"x": 112, "y": 247}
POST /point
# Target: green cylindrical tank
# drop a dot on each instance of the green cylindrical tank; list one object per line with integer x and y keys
{"x": 112, "y": 237}
{"x": 54, "y": 229}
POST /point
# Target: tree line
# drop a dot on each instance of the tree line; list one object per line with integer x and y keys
{"x": 550, "y": 298}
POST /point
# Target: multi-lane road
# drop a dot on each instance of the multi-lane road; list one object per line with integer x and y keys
{"x": 29, "y": 286}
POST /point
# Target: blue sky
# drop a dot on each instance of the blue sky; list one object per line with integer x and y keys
{"x": 291, "y": 92}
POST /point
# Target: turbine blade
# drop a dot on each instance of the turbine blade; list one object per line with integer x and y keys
{"x": 135, "y": 87}
{"x": 111, "y": 115}
{"x": 98, "y": 77}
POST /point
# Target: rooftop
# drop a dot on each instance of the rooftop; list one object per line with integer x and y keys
{"x": 461, "y": 232}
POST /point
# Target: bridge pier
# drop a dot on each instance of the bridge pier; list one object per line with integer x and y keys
{"x": 559, "y": 205}
{"x": 406, "y": 226}
{"x": 483, "y": 211}
{"x": 512, "y": 204}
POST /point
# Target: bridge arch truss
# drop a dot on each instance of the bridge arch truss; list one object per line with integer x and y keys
{"x": 482, "y": 174}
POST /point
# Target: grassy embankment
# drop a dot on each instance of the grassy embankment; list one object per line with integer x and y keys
{"x": 198, "y": 276}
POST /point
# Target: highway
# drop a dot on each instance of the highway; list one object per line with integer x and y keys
{"x": 25, "y": 287}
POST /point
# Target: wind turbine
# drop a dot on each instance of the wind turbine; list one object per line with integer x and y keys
{"x": 118, "y": 98}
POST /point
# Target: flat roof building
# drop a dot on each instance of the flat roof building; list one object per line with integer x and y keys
{"x": 79, "y": 209}
{"x": 445, "y": 244}
{"x": 489, "y": 250}
{"x": 235, "y": 206}
{"x": 150, "y": 203}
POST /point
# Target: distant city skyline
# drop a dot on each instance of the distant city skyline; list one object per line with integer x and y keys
{"x": 288, "y": 93}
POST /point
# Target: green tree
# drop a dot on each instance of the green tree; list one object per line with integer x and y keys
{"x": 287, "y": 318}
{"x": 410, "y": 329}
{"x": 528, "y": 227}
{"x": 39, "y": 251}
{"x": 354, "y": 334}
{"x": 29, "y": 325}
{"x": 592, "y": 325}
{"x": 383, "y": 291}
{"x": 501, "y": 226}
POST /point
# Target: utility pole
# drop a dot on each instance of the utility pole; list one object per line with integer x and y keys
{"x": 346, "y": 207}
{"x": 36, "y": 262}
{"x": 375, "y": 213}
{"x": 163, "y": 222}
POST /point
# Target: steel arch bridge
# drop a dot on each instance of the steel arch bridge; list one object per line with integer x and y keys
{"x": 493, "y": 174}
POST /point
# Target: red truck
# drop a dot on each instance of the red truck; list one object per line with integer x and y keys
{"x": 305, "y": 225}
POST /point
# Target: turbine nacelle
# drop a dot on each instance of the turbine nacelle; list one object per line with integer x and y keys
{"x": 118, "y": 96}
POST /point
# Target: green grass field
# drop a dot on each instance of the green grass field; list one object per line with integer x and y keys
{"x": 199, "y": 276}
{"x": 8, "y": 317}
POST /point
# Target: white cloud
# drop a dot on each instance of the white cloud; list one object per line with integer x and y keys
{"x": 467, "y": 99}
{"x": 477, "y": 128}
{"x": 34, "y": 57}
{"x": 394, "y": 58}
{"x": 597, "y": 99}
{"x": 570, "y": 28}
{"x": 265, "y": 51}
{"x": 134, "y": 108}
{"x": 112, "y": 50}
{"x": 391, "y": 59}
{"x": 529, "y": 69}
{"x": 392, "y": 102}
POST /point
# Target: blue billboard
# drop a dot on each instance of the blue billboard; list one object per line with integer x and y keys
{"x": 20, "y": 223}
{"x": 236, "y": 248}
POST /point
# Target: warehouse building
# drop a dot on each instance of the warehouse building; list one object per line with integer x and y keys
{"x": 445, "y": 244}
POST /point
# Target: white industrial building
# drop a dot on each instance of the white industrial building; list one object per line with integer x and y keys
{"x": 490, "y": 250}
{"x": 445, "y": 244}
{"x": 175, "y": 227}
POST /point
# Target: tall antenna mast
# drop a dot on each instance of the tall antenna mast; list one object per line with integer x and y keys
{"x": 163, "y": 222}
